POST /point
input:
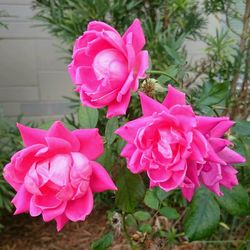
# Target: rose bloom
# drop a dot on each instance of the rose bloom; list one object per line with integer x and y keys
{"x": 179, "y": 149}
{"x": 106, "y": 66}
{"x": 55, "y": 174}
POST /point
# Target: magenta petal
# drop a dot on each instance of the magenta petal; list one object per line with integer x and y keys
{"x": 149, "y": 105}
{"x": 221, "y": 128}
{"x": 174, "y": 97}
{"x": 119, "y": 108}
{"x": 91, "y": 144}
{"x": 100, "y": 26}
{"x": 58, "y": 130}
{"x": 21, "y": 200}
{"x": 230, "y": 156}
{"x": 61, "y": 220}
{"x": 78, "y": 209}
{"x": 31, "y": 136}
{"x": 34, "y": 210}
{"x": 159, "y": 175}
{"x": 50, "y": 214}
{"x": 137, "y": 35}
{"x": 100, "y": 180}
{"x": 218, "y": 144}
{"x": 229, "y": 177}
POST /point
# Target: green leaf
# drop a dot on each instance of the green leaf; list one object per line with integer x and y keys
{"x": 151, "y": 200}
{"x": 171, "y": 71}
{"x": 103, "y": 243}
{"x": 107, "y": 159}
{"x": 242, "y": 128}
{"x": 130, "y": 192}
{"x": 142, "y": 216}
{"x": 203, "y": 216}
{"x": 88, "y": 117}
{"x": 130, "y": 221}
{"x": 169, "y": 212}
{"x": 145, "y": 228}
{"x": 235, "y": 201}
{"x": 161, "y": 194}
{"x": 111, "y": 126}
{"x": 213, "y": 94}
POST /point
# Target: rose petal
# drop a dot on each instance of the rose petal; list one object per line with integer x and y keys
{"x": 174, "y": 97}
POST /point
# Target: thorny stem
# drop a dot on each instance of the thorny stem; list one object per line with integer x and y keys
{"x": 158, "y": 72}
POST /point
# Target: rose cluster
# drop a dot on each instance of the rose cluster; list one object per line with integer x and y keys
{"x": 55, "y": 174}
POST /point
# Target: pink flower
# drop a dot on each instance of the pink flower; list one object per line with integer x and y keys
{"x": 107, "y": 66}
{"x": 55, "y": 174}
{"x": 179, "y": 149}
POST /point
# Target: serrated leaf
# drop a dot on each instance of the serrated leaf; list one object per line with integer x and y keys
{"x": 142, "y": 216}
{"x": 169, "y": 212}
{"x": 130, "y": 192}
{"x": 151, "y": 200}
{"x": 111, "y": 126}
{"x": 235, "y": 201}
{"x": 203, "y": 216}
{"x": 87, "y": 117}
{"x": 103, "y": 243}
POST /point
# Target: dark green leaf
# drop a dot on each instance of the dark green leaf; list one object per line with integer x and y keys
{"x": 88, "y": 117}
{"x": 111, "y": 126}
{"x": 203, "y": 216}
{"x": 107, "y": 158}
{"x": 151, "y": 200}
{"x": 235, "y": 201}
{"x": 161, "y": 194}
{"x": 142, "y": 216}
{"x": 169, "y": 212}
{"x": 130, "y": 192}
{"x": 131, "y": 221}
{"x": 103, "y": 243}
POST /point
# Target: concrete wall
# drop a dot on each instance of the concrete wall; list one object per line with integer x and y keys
{"x": 32, "y": 78}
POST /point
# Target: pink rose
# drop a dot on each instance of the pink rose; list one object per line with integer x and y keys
{"x": 55, "y": 174}
{"x": 177, "y": 148}
{"x": 106, "y": 66}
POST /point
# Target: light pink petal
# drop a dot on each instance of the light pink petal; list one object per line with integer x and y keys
{"x": 138, "y": 39}
{"x": 22, "y": 200}
{"x": 31, "y": 136}
{"x": 91, "y": 144}
{"x": 34, "y": 210}
{"x": 134, "y": 162}
{"x": 230, "y": 156}
{"x": 61, "y": 220}
{"x": 59, "y": 169}
{"x": 100, "y": 180}
{"x": 150, "y": 106}
{"x": 58, "y": 130}
{"x": 115, "y": 108}
{"x": 174, "y": 97}
{"x": 12, "y": 177}
{"x": 229, "y": 177}
{"x": 213, "y": 175}
{"x": 78, "y": 209}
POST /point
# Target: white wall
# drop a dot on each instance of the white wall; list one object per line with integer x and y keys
{"x": 32, "y": 78}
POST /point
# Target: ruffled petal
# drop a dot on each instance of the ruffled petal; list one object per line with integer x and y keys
{"x": 100, "y": 180}
{"x": 31, "y": 136}
{"x": 91, "y": 143}
{"x": 174, "y": 97}
{"x": 78, "y": 209}
{"x": 138, "y": 39}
